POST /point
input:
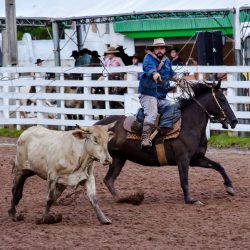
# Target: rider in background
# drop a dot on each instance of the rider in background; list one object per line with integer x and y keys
{"x": 153, "y": 87}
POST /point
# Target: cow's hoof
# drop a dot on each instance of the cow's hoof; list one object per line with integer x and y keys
{"x": 49, "y": 219}
{"x": 230, "y": 191}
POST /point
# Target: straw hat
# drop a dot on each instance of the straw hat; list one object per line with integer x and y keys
{"x": 159, "y": 42}
{"x": 111, "y": 50}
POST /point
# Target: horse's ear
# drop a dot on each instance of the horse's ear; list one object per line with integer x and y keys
{"x": 217, "y": 86}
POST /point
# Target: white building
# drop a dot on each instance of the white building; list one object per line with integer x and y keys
{"x": 95, "y": 36}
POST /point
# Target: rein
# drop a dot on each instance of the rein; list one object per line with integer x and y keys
{"x": 211, "y": 117}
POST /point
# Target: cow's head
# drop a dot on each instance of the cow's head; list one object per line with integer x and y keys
{"x": 97, "y": 138}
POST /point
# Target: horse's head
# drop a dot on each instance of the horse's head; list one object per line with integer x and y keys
{"x": 220, "y": 108}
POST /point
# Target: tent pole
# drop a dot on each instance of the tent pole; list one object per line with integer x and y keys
{"x": 237, "y": 38}
{"x": 56, "y": 41}
{"x": 10, "y": 10}
{"x": 79, "y": 35}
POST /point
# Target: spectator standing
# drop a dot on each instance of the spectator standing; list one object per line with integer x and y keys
{"x": 125, "y": 57}
{"x": 136, "y": 60}
{"x": 85, "y": 58}
{"x": 175, "y": 57}
{"x": 75, "y": 54}
{"x": 41, "y": 75}
{"x": 111, "y": 60}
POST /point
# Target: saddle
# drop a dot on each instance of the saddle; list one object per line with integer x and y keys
{"x": 166, "y": 134}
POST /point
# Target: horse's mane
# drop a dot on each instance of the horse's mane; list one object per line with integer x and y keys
{"x": 192, "y": 90}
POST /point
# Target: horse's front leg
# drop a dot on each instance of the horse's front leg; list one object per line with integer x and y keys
{"x": 207, "y": 163}
{"x": 183, "y": 167}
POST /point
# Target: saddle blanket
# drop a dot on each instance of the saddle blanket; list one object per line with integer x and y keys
{"x": 133, "y": 135}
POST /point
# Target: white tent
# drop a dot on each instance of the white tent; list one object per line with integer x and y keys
{"x": 75, "y": 9}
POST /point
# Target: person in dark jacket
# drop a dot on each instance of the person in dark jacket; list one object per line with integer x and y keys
{"x": 153, "y": 87}
{"x": 175, "y": 57}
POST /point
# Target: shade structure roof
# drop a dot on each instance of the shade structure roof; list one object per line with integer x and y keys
{"x": 78, "y": 9}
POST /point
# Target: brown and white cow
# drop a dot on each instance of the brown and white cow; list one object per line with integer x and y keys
{"x": 63, "y": 159}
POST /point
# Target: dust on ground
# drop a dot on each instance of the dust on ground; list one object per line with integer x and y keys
{"x": 161, "y": 221}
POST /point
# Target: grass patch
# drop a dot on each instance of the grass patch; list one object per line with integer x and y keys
{"x": 218, "y": 140}
{"x": 10, "y": 132}
{"x": 226, "y": 141}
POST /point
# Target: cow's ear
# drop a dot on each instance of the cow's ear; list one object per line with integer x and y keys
{"x": 84, "y": 129}
{"x": 79, "y": 134}
{"x": 111, "y": 135}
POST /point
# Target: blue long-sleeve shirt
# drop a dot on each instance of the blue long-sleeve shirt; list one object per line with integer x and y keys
{"x": 147, "y": 86}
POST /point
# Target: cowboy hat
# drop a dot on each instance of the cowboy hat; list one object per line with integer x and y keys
{"x": 84, "y": 51}
{"x": 39, "y": 61}
{"x": 95, "y": 53}
{"x": 111, "y": 50}
{"x": 121, "y": 49}
{"x": 159, "y": 42}
{"x": 74, "y": 53}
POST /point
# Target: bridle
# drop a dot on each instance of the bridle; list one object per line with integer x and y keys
{"x": 211, "y": 117}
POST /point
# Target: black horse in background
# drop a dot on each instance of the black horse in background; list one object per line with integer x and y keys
{"x": 188, "y": 149}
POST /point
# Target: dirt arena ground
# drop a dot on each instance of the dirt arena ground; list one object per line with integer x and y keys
{"x": 162, "y": 221}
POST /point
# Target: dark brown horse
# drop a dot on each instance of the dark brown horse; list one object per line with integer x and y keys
{"x": 187, "y": 150}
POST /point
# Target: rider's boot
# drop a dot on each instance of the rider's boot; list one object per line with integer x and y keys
{"x": 136, "y": 126}
{"x": 146, "y": 132}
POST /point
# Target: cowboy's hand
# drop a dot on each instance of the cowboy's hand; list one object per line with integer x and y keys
{"x": 157, "y": 77}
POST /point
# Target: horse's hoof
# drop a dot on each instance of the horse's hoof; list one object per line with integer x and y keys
{"x": 110, "y": 187}
{"x": 12, "y": 214}
{"x": 106, "y": 221}
{"x": 230, "y": 190}
{"x": 198, "y": 203}
{"x": 19, "y": 217}
{"x": 58, "y": 218}
{"x": 195, "y": 202}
